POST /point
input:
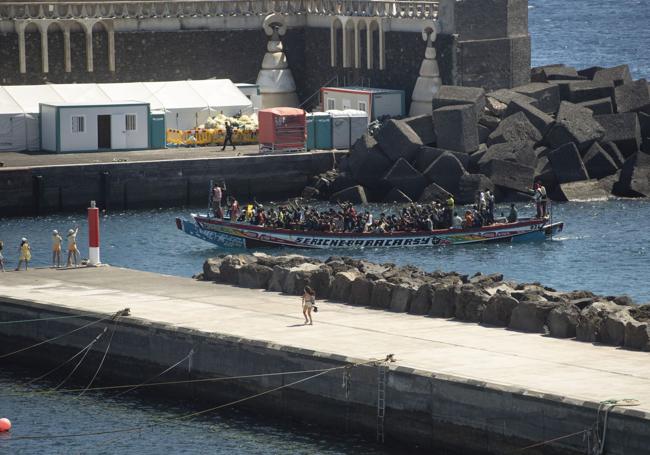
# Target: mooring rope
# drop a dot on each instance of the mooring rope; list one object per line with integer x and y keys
{"x": 101, "y": 363}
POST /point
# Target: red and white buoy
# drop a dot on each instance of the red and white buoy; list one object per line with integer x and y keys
{"x": 93, "y": 235}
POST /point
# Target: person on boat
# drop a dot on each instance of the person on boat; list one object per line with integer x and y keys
{"x": 217, "y": 196}
{"x": 73, "y": 251}
{"x": 469, "y": 219}
{"x": 456, "y": 222}
{"x": 489, "y": 196}
{"x": 308, "y": 302}
{"x": 57, "y": 240}
{"x": 25, "y": 253}
{"x": 249, "y": 215}
{"x": 543, "y": 199}
{"x": 513, "y": 216}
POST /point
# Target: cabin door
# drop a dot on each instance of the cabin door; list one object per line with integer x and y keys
{"x": 118, "y": 131}
{"x": 103, "y": 131}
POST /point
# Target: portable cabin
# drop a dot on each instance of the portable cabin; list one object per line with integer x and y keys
{"x": 252, "y": 92}
{"x": 91, "y": 127}
{"x": 282, "y": 129}
{"x": 376, "y": 102}
{"x": 347, "y": 127}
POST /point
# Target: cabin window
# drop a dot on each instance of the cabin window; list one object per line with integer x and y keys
{"x": 130, "y": 122}
{"x": 78, "y": 123}
{"x": 363, "y": 106}
{"x": 331, "y": 104}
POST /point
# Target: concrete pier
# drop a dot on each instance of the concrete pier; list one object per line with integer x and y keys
{"x": 456, "y": 387}
{"x": 41, "y": 184}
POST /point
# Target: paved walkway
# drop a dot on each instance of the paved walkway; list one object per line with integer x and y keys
{"x": 567, "y": 368}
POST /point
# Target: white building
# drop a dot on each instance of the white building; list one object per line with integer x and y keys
{"x": 376, "y": 102}
{"x": 90, "y": 127}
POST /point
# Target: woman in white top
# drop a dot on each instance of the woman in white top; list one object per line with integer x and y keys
{"x": 73, "y": 251}
{"x": 308, "y": 302}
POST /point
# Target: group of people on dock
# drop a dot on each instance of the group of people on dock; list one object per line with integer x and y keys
{"x": 25, "y": 250}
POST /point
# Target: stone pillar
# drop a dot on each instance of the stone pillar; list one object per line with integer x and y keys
{"x": 88, "y": 32}
{"x": 369, "y": 46}
{"x": 67, "y": 57}
{"x": 45, "y": 63}
{"x": 345, "y": 45}
{"x": 428, "y": 81}
{"x": 275, "y": 79}
{"x": 111, "y": 50}
{"x": 357, "y": 44}
{"x": 382, "y": 46}
{"x": 22, "y": 58}
{"x": 333, "y": 43}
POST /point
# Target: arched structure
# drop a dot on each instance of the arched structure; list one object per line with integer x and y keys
{"x": 361, "y": 38}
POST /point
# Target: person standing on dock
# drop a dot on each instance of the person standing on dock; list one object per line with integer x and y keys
{"x": 2, "y": 259}
{"x": 57, "y": 240}
{"x": 308, "y": 302}
{"x": 25, "y": 254}
{"x": 73, "y": 251}
{"x": 228, "y": 138}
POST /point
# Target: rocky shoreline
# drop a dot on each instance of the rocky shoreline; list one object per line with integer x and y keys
{"x": 585, "y": 134}
{"x": 483, "y": 299}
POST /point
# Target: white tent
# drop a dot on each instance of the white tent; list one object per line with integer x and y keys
{"x": 186, "y": 104}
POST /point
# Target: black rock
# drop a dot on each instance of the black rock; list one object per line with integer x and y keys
{"x": 475, "y": 157}
{"x": 456, "y": 128}
{"x": 632, "y": 96}
{"x": 586, "y": 190}
{"x": 354, "y": 194}
{"x": 452, "y": 95}
{"x": 600, "y": 106}
{"x": 398, "y": 140}
{"x": 518, "y": 152}
{"x": 445, "y": 171}
{"x": 490, "y": 121}
{"x": 588, "y": 91}
{"x": 574, "y": 124}
{"x": 515, "y": 128}
{"x": 547, "y": 95}
{"x": 598, "y": 162}
{"x": 537, "y": 73}
{"x": 367, "y": 163}
{"x": 536, "y": 117}
{"x": 396, "y": 196}
{"x": 589, "y": 72}
{"x": 406, "y": 179}
{"x": 635, "y": 177}
{"x": 483, "y": 133}
{"x": 469, "y": 185}
{"x": 423, "y": 127}
{"x": 545, "y": 174}
{"x": 567, "y": 164}
{"x": 618, "y": 75}
{"x": 428, "y": 155}
{"x": 613, "y": 152}
{"x": 623, "y": 130}
{"x": 496, "y": 102}
{"x": 434, "y": 192}
{"x": 510, "y": 175}
{"x": 553, "y": 73}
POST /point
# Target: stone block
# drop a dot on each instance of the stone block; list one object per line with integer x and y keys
{"x": 475, "y": 157}
{"x": 451, "y": 95}
{"x": 574, "y": 124}
{"x": 367, "y": 163}
{"x": 444, "y": 301}
{"x": 586, "y": 190}
{"x": 547, "y": 95}
{"x": 498, "y": 100}
{"x": 434, "y": 193}
{"x": 395, "y": 196}
{"x": 618, "y": 75}
{"x": 406, "y": 179}
{"x": 544, "y": 173}
{"x": 531, "y": 316}
{"x": 381, "y": 294}
{"x": 498, "y": 310}
{"x": 446, "y": 172}
{"x": 456, "y": 128}
{"x": 518, "y": 152}
{"x": 467, "y": 19}
{"x": 635, "y": 177}
{"x": 470, "y": 303}
{"x": 469, "y": 185}
{"x": 515, "y": 128}
{"x": 428, "y": 155}
{"x": 360, "y": 292}
{"x": 553, "y": 73}
{"x": 342, "y": 285}
{"x": 354, "y": 194}
{"x": 483, "y": 133}
{"x": 537, "y": 73}
{"x": 613, "y": 152}
{"x": 398, "y": 140}
{"x": 598, "y": 162}
{"x": 562, "y": 321}
{"x": 600, "y": 106}
{"x": 623, "y": 130}
{"x": 254, "y": 276}
{"x": 510, "y": 175}
{"x": 632, "y": 96}
{"x": 637, "y": 335}
{"x": 567, "y": 164}
{"x": 588, "y": 91}
{"x": 491, "y": 121}
{"x": 540, "y": 120}
{"x": 423, "y": 127}
{"x": 211, "y": 270}
{"x": 613, "y": 328}
{"x": 589, "y": 72}
{"x": 400, "y": 299}
{"x": 422, "y": 300}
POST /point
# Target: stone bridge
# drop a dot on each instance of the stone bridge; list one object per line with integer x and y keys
{"x": 480, "y": 42}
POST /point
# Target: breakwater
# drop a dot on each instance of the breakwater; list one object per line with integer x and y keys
{"x": 447, "y": 390}
{"x": 485, "y": 299}
{"x": 152, "y": 184}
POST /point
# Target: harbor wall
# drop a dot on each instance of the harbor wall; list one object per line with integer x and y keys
{"x": 423, "y": 410}
{"x": 153, "y": 184}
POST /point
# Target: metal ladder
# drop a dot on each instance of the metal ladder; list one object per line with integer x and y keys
{"x": 382, "y": 373}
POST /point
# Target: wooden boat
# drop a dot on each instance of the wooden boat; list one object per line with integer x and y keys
{"x": 228, "y": 234}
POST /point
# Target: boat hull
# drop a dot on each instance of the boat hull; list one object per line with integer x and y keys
{"x": 237, "y": 235}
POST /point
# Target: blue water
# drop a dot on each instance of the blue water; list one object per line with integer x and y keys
{"x": 604, "y": 248}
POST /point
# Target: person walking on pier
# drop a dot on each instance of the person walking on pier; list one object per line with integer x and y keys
{"x": 57, "y": 240}
{"x": 228, "y": 138}
{"x": 25, "y": 254}
{"x": 308, "y": 302}
{"x": 73, "y": 251}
